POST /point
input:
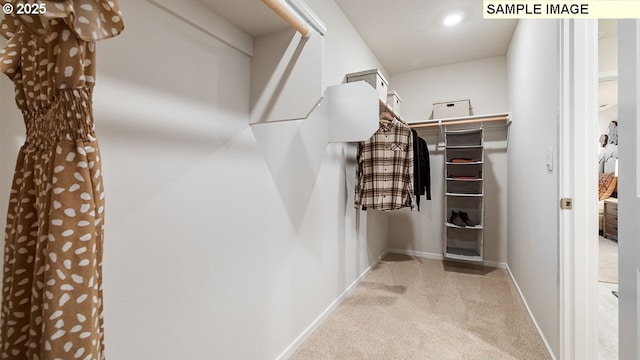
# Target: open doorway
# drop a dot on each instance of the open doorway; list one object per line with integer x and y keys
{"x": 607, "y": 190}
{"x": 578, "y": 258}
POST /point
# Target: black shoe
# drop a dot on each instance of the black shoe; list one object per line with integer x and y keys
{"x": 465, "y": 218}
{"x": 456, "y": 220}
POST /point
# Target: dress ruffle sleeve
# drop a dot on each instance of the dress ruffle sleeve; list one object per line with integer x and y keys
{"x": 8, "y": 26}
{"x": 10, "y": 54}
{"x": 90, "y": 20}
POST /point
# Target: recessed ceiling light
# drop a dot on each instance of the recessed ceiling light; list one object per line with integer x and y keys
{"x": 452, "y": 19}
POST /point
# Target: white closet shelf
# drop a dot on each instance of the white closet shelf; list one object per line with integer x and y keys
{"x": 465, "y": 163}
{"x": 464, "y": 147}
{"x": 464, "y": 243}
{"x": 467, "y": 255}
{"x": 499, "y": 117}
{"x": 476, "y": 227}
{"x": 463, "y": 131}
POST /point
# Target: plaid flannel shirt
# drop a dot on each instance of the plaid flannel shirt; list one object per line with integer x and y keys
{"x": 384, "y": 171}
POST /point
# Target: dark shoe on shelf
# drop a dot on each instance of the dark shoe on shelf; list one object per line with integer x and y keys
{"x": 465, "y": 218}
{"x": 455, "y": 219}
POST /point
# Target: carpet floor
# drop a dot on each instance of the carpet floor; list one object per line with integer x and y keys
{"x": 415, "y": 308}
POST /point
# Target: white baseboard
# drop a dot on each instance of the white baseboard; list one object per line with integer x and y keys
{"x": 526, "y": 305}
{"x": 419, "y": 254}
{"x": 433, "y": 256}
{"x": 495, "y": 264}
{"x": 325, "y": 314}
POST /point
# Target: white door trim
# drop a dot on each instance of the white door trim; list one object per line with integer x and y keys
{"x": 629, "y": 188}
{"x": 577, "y": 176}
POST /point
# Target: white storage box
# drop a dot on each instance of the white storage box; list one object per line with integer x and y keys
{"x": 451, "y": 109}
{"x": 394, "y": 101}
{"x": 374, "y": 78}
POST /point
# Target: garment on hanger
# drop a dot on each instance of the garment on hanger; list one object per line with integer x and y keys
{"x": 421, "y": 168}
{"x": 52, "y": 288}
{"x": 386, "y": 117}
{"x": 384, "y": 171}
{"x": 425, "y": 169}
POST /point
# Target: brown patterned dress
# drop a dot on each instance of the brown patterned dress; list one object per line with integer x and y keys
{"x": 52, "y": 279}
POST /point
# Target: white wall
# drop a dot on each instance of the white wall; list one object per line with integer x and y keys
{"x": 206, "y": 255}
{"x": 485, "y": 83}
{"x": 605, "y": 117}
{"x": 482, "y": 81}
{"x": 608, "y": 55}
{"x": 629, "y": 189}
{"x": 607, "y": 65}
{"x": 533, "y": 74}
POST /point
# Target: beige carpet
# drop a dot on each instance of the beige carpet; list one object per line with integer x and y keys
{"x": 608, "y": 263}
{"x": 414, "y": 308}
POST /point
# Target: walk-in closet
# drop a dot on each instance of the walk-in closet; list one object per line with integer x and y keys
{"x": 317, "y": 179}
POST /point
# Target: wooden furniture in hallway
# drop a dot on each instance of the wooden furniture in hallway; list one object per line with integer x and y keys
{"x": 611, "y": 218}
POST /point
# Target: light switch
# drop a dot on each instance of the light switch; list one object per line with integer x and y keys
{"x": 550, "y": 159}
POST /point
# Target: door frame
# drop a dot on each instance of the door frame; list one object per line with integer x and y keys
{"x": 629, "y": 193}
{"x": 577, "y": 157}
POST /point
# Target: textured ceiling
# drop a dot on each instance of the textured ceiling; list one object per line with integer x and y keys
{"x": 409, "y": 34}
{"x": 404, "y": 34}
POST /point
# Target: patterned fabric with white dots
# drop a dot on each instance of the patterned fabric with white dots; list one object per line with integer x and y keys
{"x": 52, "y": 278}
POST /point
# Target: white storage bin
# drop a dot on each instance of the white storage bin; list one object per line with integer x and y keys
{"x": 394, "y": 101}
{"x": 374, "y": 78}
{"x": 451, "y": 109}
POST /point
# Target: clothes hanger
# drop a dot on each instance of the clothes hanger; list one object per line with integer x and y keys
{"x": 386, "y": 117}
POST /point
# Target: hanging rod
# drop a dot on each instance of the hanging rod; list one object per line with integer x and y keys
{"x": 385, "y": 107}
{"x": 287, "y": 15}
{"x": 461, "y": 120}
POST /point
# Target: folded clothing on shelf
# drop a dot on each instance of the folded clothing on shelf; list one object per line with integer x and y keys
{"x": 462, "y": 160}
